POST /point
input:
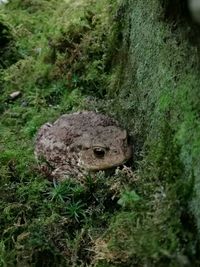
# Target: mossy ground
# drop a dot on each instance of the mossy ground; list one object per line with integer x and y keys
{"x": 137, "y": 61}
{"x": 58, "y": 55}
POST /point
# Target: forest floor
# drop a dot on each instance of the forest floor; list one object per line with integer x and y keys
{"x": 62, "y": 56}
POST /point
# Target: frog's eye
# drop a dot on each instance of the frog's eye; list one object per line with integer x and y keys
{"x": 99, "y": 152}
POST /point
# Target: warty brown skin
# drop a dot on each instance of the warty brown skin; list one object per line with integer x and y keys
{"x": 79, "y": 143}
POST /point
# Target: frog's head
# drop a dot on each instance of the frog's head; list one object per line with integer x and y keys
{"x": 105, "y": 148}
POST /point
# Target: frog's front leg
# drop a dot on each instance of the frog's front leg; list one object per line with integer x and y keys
{"x": 65, "y": 172}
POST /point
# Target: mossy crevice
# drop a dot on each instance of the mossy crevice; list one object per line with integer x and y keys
{"x": 8, "y": 49}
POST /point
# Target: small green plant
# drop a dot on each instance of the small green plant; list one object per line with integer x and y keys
{"x": 90, "y": 182}
{"x": 128, "y": 199}
{"x": 2, "y": 254}
{"x": 60, "y": 191}
{"x": 75, "y": 210}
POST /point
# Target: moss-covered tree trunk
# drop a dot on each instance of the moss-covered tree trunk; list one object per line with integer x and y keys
{"x": 156, "y": 94}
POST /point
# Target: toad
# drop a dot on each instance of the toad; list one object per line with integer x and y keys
{"x": 81, "y": 143}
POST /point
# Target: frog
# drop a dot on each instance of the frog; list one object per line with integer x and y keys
{"x": 81, "y": 143}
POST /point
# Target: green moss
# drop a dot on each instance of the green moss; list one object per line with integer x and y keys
{"x": 44, "y": 224}
{"x": 154, "y": 92}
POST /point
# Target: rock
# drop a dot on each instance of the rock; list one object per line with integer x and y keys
{"x": 15, "y": 95}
